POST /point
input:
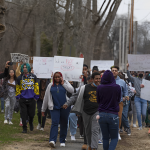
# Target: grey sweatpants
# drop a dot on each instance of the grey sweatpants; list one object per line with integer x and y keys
{"x": 133, "y": 112}
{"x": 9, "y": 107}
{"x": 92, "y": 129}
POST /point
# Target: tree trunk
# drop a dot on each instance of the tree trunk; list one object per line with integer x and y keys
{"x": 99, "y": 50}
{"x": 94, "y": 9}
{"x": 2, "y": 19}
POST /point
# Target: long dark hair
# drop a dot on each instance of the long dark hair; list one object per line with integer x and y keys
{"x": 8, "y": 77}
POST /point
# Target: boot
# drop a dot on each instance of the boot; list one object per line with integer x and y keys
{"x": 31, "y": 124}
{"x": 84, "y": 147}
{"x": 24, "y": 129}
{"x": 31, "y": 127}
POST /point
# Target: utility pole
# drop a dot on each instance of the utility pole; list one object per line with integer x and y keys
{"x": 131, "y": 27}
{"x": 123, "y": 45}
{"x": 127, "y": 38}
{"x": 120, "y": 38}
{"x": 135, "y": 38}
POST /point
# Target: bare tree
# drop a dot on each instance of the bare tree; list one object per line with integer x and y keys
{"x": 2, "y": 19}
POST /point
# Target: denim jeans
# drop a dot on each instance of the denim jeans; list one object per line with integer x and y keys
{"x": 109, "y": 124}
{"x": 59, "y": 116}
{"x": 2, "y": 103}
{"x": 73, "y": 123}
{"x": 125, "y": 121}
{"x": 141, "y": 108}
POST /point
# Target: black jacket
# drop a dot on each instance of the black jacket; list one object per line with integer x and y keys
{"x": 5, "y": 74}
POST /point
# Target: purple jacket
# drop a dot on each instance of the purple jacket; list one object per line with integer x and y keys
{"x": 108, "y": 94}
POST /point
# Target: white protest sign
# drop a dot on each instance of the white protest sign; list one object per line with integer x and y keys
{"x": 139, "y": 62}
{"x": 145, "y": 94}
{"x": 70, "y": 67}
{"x": 15, "y": 57}
{"x": 102, "y": 64}
{"x": 43, "y": 67}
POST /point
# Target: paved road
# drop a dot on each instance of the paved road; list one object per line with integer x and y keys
{"x": 73, "y": 145}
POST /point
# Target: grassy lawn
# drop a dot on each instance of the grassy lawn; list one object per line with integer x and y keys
{"x": 8, "y": 133}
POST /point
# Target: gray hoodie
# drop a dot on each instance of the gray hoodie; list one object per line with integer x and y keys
{"x": 137, "y": 82}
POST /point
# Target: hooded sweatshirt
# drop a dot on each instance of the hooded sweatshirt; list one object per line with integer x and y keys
{"x": 108, "y": 94}
{"x": 27, "y": 87}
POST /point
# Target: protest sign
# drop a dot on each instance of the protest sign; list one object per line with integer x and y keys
{"x": 145, "y": 94}
{"x": 102, "y": 64}
{"x": 43, "y": 67}
{"x": 70, "y": 67}
{"x": 17, "y": 57}
{"x": 139, "y": 62}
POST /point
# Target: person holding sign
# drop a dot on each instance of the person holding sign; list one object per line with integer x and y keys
{"x": 54, "y": 99}
{"x": 141, "y": 104}
{"x": 6, "y": 72}
{"x": 27, "y": 92}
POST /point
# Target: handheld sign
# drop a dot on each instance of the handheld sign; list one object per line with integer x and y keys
{"x": 43, "y": 67}
{"x": 70, "y": 67}
{"x": 102, "y": 64}
{"x": 139, "y": 62}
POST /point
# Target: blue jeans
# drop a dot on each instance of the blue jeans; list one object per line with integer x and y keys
{"x": 59, "y": 116}
{"x": 2, "y": 103}
{"x": 125, "y": 121}
{"x": 109, "y": 124}
{"x": 141, "y": 108}
{"x": 73, "y": 123}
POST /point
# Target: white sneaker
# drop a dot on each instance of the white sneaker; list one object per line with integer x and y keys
{"x": 42, "y": 129}
{"x": 140, "y": 128}
{"x": 5, "y": 121}
{"x": 52, "y": 144}
{"x": 38, "y": 127}
{"x": 134, "y": 126}
{"x": 73, "y": 138}
{"x": 81, "y": 136}
{"x": 119, "y": 137}
{"x": 2, "y": 111}
{"x": 10, "y": 122}
{"x": 62, "y": 145}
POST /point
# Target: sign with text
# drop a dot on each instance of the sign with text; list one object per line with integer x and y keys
{"x": 17, "y": 57}
{"x": 70, "y": 67}
{"x": 139, "y": 62}
{"x": 102, "y": 64}
{"x": 43, "y": 67}
{"x": 145, "y": 94}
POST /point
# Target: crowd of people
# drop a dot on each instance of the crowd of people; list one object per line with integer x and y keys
{"x": 102, "y": 105}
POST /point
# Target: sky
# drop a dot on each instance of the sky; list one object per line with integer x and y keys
{"x": 141, "y": 9}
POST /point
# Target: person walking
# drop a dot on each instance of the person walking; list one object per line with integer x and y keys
{"x": 108, "y": 99}
{"x": 124, "y": 96}
{"x": 2, "y": 76}
{"x": 27, "y": 92}
{"x": 42, "y": 88}
{"x": 54, "y": 99}
{"x": 140, "y": 104}
{"x": 86, "y": 105}
{"x": 1, "y": 97}
{"x": 9, "y": 86}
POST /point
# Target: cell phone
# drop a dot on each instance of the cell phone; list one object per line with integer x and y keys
{"x": 10, "y": 63}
